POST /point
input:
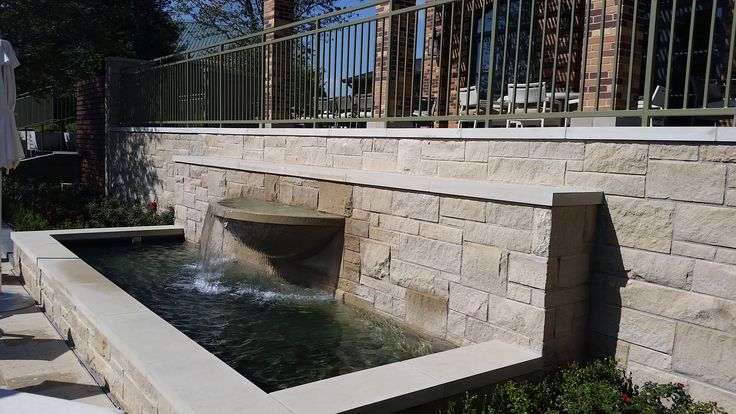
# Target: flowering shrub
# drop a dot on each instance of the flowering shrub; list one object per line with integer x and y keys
{"x": 598, "y": 387}
{"x": 29, "y": 205}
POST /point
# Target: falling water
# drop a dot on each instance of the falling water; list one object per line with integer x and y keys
{"x": 211, "y": 267}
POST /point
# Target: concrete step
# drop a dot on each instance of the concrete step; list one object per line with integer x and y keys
{"x": 25, "y": 403}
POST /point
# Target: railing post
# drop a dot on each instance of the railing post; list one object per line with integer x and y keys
{"x": 650, "y": 62}
{"x": 220, "y": 91}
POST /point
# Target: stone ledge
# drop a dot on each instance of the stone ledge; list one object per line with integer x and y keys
{"x": 400, "y": 385}
{"x": 478, "y": 189}
{"x": 633, "y": 134}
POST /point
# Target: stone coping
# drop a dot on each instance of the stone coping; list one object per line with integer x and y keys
{"x": 663, "y": 134}
{"x": 268, "y": 212}
{"x": 477, "y": 189}
{"x": 193, "y": 380}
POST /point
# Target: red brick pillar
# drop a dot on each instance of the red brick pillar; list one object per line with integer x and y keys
{"x": 612, "y": 70}
{"x": 446, "y": 33}
{"x": 394, "y": 61}
{"x": 90, "y": 135}
{"x": 276, "y": 13}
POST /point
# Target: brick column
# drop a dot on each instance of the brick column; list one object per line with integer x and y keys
{"x": 90, "y": 135}
{"x": 276, "y": 13}
{"x": 394, "y": 63}
{"x": 610, "y": 73}
{"x": 449, "y": 38}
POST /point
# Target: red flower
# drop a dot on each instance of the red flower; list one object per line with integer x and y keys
{"x": 626, "y": 398}
{"x": 153, "y": 205}
{"x": 49, "y": 213}
{"x": 680, "y": 385}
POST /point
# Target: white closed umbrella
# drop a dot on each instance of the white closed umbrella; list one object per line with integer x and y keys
{"x": 11, "y": 151}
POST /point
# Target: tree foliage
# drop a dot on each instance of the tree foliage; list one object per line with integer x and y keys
{"x": 235, "y": 18}
{"x": 61, "y": 42}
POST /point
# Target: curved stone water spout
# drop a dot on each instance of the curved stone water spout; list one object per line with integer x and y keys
{"x": 277, "y": 230}
{"x": 301, "y": 245}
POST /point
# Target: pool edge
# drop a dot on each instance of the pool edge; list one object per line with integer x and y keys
{"x": 172, "y": 384}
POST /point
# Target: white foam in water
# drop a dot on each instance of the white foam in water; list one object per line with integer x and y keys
{"x": 273, "y": 296}
{"x": 206, "y": 281}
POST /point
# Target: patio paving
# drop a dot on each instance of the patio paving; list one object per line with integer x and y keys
{"x": 35, "y": 359}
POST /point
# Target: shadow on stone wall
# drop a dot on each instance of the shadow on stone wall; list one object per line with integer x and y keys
{"x": 131, "y": 170}
{"x": 607, "y": 276}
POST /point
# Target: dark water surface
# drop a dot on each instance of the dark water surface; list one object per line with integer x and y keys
{"x": 276, "y": 334}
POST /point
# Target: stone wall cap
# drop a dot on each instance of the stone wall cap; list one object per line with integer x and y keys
{"x": 632, "y": 134}
{"x": 478, "y": 189}
{"x": 428, "y": 378}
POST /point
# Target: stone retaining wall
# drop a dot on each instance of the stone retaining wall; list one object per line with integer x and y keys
{"x": 663, "y": 297}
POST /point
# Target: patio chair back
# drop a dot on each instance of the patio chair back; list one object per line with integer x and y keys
{"x": 469, "y": 99}
{"x": 658, "y": 97}
{"x": 325, "y": 106}
{"x": 527, "y": 93}
{"x": 344, "y": 104}
{"x": 364, "y": 103}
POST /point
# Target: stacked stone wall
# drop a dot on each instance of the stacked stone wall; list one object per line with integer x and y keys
{"x": 123, "y": 379}
{"x": 663, "y": 292}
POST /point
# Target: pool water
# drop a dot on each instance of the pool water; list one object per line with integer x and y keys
{"x": 276, "y": 334}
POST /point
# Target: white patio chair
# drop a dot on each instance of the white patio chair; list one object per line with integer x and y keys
{"x": 471, "y": 105}
{"x": 529, "y": 96}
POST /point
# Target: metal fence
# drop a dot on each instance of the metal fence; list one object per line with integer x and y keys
{"x": 45, "y": 112}
{"x": 456, "y": 62}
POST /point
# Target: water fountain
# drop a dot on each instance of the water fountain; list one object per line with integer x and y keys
{"x": 300, "y": 245}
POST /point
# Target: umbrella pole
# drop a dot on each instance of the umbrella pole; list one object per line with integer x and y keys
{"x": 11, "y": 301}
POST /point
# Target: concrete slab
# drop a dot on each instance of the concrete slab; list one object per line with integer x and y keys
{"x": 27, "y": 403}
{"x": 35, "y": 359}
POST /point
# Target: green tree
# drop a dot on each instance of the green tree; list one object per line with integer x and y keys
{"x": 235, "y": 18}
{"x": 61, "y": 42}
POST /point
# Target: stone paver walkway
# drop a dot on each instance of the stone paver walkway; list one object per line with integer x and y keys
{"x": 35, "y": 359}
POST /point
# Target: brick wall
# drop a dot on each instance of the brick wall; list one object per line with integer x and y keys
{"x": 90, "y": 137}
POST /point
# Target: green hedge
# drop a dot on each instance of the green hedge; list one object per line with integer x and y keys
{"x": 598, "y": 387}
{"x": 34, "y": 205}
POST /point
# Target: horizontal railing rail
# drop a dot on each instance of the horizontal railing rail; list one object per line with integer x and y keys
{"x": 456, "y": 63}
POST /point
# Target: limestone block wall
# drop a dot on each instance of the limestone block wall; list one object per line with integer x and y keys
{"x": 663, "y": 292}
{"x": 124, "y": 380}
{"x": 463, "y": 270}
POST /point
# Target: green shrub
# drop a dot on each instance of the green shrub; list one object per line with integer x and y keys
{"x": 597, "y": 387}
{"x": 29, "y": 205}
